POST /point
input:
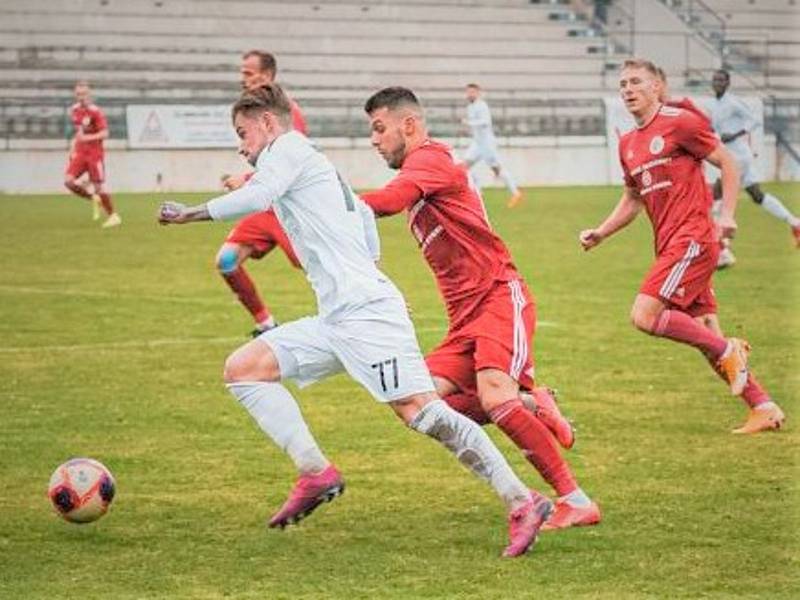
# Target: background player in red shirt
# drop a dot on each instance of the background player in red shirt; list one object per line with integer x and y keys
{"x": 257, "y": 234}
{"x": 86, "y": 154}
{"x": 662, "y": 160}
{"x": 486, "y": 356}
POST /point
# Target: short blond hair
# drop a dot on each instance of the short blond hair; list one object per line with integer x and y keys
{"x": 641, "y": 63}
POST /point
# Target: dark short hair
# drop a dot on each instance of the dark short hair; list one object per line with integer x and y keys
{"x": 391, "y": 98}
{"x": 724, "y": 72}
{"x": 266, "y": 60}
{"x": 473, "y": 85}
{"x": 641, "y": 63}
{"x": 269, "y": 97}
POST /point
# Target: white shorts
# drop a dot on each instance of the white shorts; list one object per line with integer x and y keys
{"x": 485, "y": 152}
{"x": 375, "y": 344}
{"x": 745, "y": 162}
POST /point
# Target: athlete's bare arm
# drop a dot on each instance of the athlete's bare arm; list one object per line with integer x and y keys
{"x": 623, "y": 214}
{"x": 724, "y": 161}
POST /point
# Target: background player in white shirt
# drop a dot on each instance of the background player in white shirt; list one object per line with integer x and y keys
{"x": 733, "y": 121}
{"x": 362, "y": 326}
{"x": 483, "y": 146}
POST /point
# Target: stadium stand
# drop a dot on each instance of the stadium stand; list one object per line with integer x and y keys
{"x": 758, "y": 38}
{"x": 331, "y": 53}
{"x": 545, "y": 62}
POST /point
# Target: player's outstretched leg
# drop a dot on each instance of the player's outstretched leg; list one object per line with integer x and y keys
{"x": 651, "y": 316}
{"x": 474, "y": 449}
{"x": 113, "y": 219}
{"x": 251, "y": 373}
{"x": 230, "y": 259}
{"x": 277, "y": 414}
{"x": 573, "y": 507}
{"x": 777, "y": 209}
{"x": 764, "y": 415}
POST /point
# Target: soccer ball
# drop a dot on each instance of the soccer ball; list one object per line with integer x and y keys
{"x": 81, "y": 490}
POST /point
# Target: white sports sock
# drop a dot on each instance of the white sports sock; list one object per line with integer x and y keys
{"x": 473, "y": 448}
{"x": 278, "y": 415}
{"x": 776, "y": 208}
{"x": 508, "y": 179}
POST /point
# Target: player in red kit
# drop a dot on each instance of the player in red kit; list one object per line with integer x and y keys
{"x": 86, "y": 153}
{"x": 486, "y": 356}
{"x": 662, "y": 160}
{"x": 256, "y": 235}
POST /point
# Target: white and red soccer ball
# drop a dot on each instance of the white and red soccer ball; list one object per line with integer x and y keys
{"x": 81, "y": 490}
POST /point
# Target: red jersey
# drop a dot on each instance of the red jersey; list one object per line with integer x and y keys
{"x": 298, "y": 120}
{"x": 447, "y": 217}
{"x": 88, "y": 119}
{"x": 689, "y": 105}
{"x": 663, "y": 160}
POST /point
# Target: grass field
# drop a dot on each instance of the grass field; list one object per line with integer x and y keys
{"x": 112, "y": 343}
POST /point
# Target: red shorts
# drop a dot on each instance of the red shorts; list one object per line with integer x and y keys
{"x": 681, "y": 278}
{"x": 262, "y": 232}
{"x": 498, "y": 337}
{"x": 93, "y": 164}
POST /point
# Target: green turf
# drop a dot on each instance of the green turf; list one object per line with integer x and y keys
{"x": 112, "y": 344}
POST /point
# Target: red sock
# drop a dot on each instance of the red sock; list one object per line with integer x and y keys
{"x": 105, "y": 200}
{"x": 536, "y": 443}
{"x": 77, "y": 188}
{"x": 753, "y": 394}
{"x": 679, "y": 326}
{"x": 468, "y": 405}
{"x": 241, "y": 284}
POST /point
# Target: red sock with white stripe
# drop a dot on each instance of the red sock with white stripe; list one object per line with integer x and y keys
{"x": 680, "y": 327}
{"x": 754, "y": 393}
{"x": 537, "y": 444}
{"x": 105, "y": 200}
{"x": 244, "y": 288}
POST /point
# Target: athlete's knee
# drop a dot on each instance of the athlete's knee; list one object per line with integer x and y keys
{"x": 643, "y": 320}
{"x": 755, "y": 193}
{"x": 227, "y": 260}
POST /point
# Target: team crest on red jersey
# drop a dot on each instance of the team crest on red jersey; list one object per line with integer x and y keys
{"x": 656, "y": 145}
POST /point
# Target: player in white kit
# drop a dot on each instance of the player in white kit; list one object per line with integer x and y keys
{"x": 362, "y": 326}
{"x": 483, "y": 146}
{"x": 733, "y": 121}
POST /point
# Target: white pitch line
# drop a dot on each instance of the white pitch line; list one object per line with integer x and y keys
{"x": 122, "y": 345}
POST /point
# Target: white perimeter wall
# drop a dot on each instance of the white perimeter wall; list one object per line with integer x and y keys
{"x": 533, "y": 161}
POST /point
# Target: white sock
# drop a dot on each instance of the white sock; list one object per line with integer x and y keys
{"x": 577, "y": 498}
{"x": 768, "y": 405}
{"x": 278, "y": 415}
{"x": 776, "y": 208}
{"x": 508, "y": 179}
{"x": 473, "y": 448}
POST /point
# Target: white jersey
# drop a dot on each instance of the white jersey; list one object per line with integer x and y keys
{"x": 730, "y": 115}
{"x": 479, "y": 120}
{"x": 322, "y": 218}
